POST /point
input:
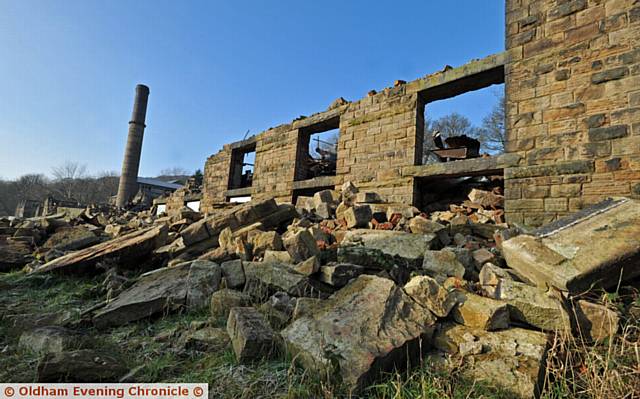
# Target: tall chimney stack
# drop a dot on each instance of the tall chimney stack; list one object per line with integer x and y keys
{"x": 128, "y": 185}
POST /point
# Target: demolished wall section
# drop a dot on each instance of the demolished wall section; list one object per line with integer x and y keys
{"x": 573, "y": 105}
{"x": 378, "y": 137}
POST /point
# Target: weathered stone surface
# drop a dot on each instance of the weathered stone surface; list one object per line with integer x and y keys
{"x": 251, "y": 336}
{"x": 422, "y": 225}
{"x": 14, "y": 253}
{"x": 71, "y": 238}
{"x": 233, "y": 273}
{"x": 301, "y": 246}
{"x": 595, "y": 322}
{"x": 264, "y": 241}
{"x": 592, "y": 248}
{"x": 308, "y": 267}
{"x": 50, "y": 339}
{"x": 283, "y": 302}
{"x": 384, "y": 249}
{"x": 161, "y": 291}
{"x": 348, "y": 190}
{"x": 482, "y": 256}
{"x": 276, "y": 318}
{"x": 368, "y": 197}
{"x": 490, "y": 276}
{"x": 608, "y": 133}
{"x": 263, "y": 278}
{"x": 18, "y": 323}
{"x": 486, "y": 199}
{"x": 357, "y": 216}
{"x": 338, "y": 275}
{"x": 226, "y": 240}
{"x": 512, "y": 359}
{"x": 207, "y": 339}
{"x": 196, "y": 232}
{"x": 443, "y": 263}
{"x": 341, "y": 209}
{"x": 277, "y": 257}
{"x": 533, "y": 305}
{"x": 203, "y": 280}
{"x": 325, "y": 210}
{"x": 480, "y": 312}
{"x": 126, "y": 249}
{"x": 323, "y": 197}
{"x": 608, "y": 75}
{"x": 367, "y": 327}
{"x": 223, "y": 300}
{"x": 431, "y": 295}
{"x": 80, "y": 366}
{"x": 305, "y": 307}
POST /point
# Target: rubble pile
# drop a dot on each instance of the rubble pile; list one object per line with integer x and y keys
{"x": 348, "y": 284}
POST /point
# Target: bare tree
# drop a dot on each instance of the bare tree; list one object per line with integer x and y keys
{"x": 68, "y": 178}
{"x": 31, "y": 186}
{"x": 453, "y": 124}
{"x": 492, "y": 134}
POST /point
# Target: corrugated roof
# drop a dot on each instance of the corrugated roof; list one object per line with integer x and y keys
{"x": 158, "y": 183}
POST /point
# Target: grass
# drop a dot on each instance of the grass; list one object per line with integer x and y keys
{"x": 575, "y": 368}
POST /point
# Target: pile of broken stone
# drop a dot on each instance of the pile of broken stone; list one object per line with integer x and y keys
{"x": 350, "y": 285}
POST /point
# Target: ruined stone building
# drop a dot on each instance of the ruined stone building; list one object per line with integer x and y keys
{"x": 572, "y": 74}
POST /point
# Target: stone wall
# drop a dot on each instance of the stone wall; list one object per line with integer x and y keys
{"x": 216, "y": 178}
{"x": 380, "y": 136}
{"x": 573, "y": 113}
{"x": 572, "y": 72}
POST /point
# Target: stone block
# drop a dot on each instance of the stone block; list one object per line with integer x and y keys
{"x": 591, "y": 248}
{"x": 301, "y": 246}
{"x": 428, "y": 293}
{"x": 422, "y": 225}
{"x": 358, "y": 216}
{"x": 479, "y": 312}
{"x": 608, "y": 133}
{"x": 233, "y": 273}
{"x": 533, "y": 305}
{"x": 511, "y": 359}
{"x": 595, "y": 322}
{"x": 251, "y": 336}
{"x": 443, "y": 263}
{"x": 223, "y": 300}
{"x": 385, "y": 249}
{"x": 277, "y": 257}
{"x": 368, "y": 197}
{"x": 309, "y": 266}
{"x": 338, "y": 275}
{"x": 609, "y": 75}
{"x": 366, "y": 328}
{"x": 323, "y": 197}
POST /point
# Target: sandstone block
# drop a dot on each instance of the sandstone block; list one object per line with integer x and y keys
{"x": 339, "y": 275}
{"x": 251, "y": 336}
{"x": 233, "y": 273}
{"x": 427, "y": 292}
{"x": 358, "y": 216}
{"x": 223, "y": 300}
{"x": 353, "y": 333}
{"x": 479, "y": 312}
{"x": 301, "y": 246}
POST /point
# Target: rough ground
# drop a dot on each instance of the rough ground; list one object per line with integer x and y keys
{"x": 341, "y": 296}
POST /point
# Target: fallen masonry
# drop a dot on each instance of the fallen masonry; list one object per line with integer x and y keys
{"x": 346, "y": 303}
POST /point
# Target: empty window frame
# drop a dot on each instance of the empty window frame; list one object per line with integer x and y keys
{"x": 444, "y": 126}
{"x": 317, "y": 151}
{"x": 242, "y": 167}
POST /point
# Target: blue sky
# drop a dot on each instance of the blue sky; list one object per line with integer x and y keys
{"x": 216, "y": 69}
